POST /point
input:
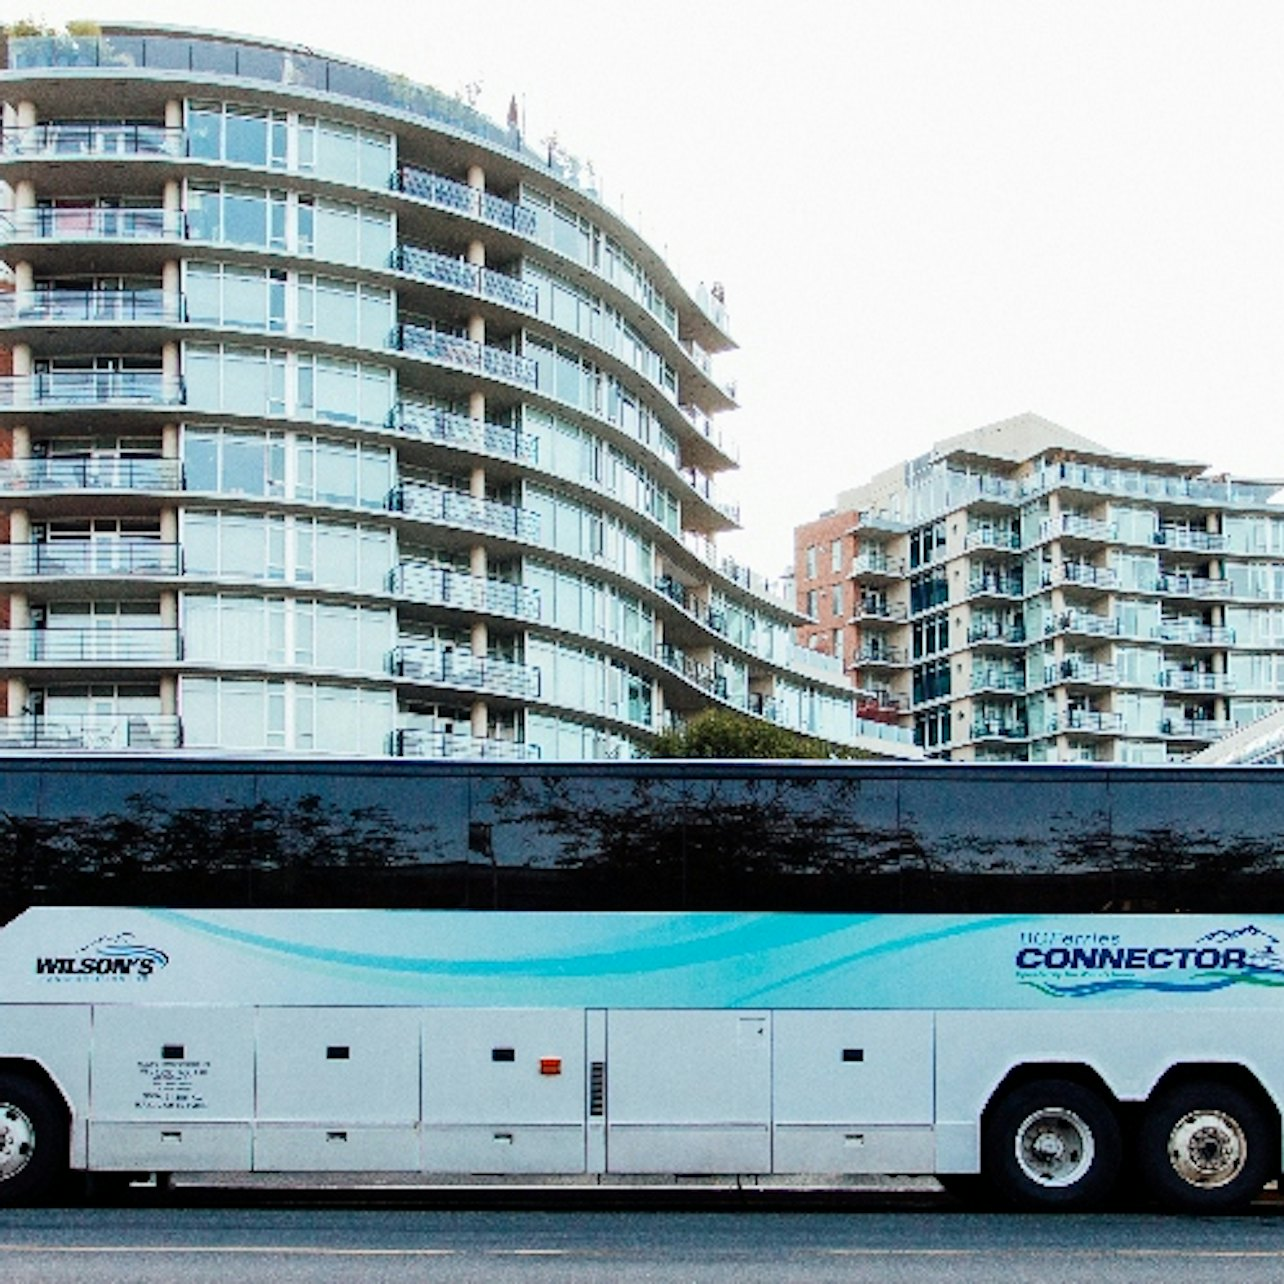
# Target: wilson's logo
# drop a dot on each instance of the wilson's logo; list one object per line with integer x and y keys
{"x": 109, "y": 956}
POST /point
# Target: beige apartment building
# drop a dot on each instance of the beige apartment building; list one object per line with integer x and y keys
{"x": 1020, "y": 593}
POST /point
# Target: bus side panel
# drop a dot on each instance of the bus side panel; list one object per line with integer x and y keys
{"x": 171, "y": 1088}
{"x": 503, "y": 1091}
{"x": 853, "y": 1092}
{"x": 1130, "y": 1050}
{"x": 55, "y": 1038}
{"x": 688, "y": 1092}
{"x": 337, "y": 1090}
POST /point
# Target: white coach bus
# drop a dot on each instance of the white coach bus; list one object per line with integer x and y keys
{"x": 1023, "y": 980}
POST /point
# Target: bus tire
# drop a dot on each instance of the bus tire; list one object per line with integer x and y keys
{"x": 1206, "y": 1147}
{"x": 33, "y": 1140}
{"x": 1052, "y": 1144}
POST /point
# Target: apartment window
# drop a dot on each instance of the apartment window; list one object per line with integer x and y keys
{"x": 811, "y": 561}
{"x": 813, "y": 603}
{"x": 838, "y": 599}
{"x": 836, "y": 555}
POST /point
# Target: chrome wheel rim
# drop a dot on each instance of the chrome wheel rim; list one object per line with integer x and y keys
{"x": 17, "y": 1141}
{"x": 1054, "y": 1147}
{"x": 1207, "y": 1148}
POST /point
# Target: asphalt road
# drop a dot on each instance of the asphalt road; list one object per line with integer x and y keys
{"x": 889, "y": 1241}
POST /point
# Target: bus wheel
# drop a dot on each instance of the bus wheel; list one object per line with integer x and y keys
{"x": 1052, "y": 1144}
{"x": 33, "y": 1140}
{"x": 1206, "y": 1147}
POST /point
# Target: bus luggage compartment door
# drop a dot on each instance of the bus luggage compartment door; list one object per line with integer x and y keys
{"x": 171, "y": 1088}
{"x": 504, "y": 1090}
{"x": 853, "y": 1092}
{"x": 338, "y": 1090}
{"x": 688, "y": 1092}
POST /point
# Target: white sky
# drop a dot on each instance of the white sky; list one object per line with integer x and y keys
{"x": 927, "y": 214}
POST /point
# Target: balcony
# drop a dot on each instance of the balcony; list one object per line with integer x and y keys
{"x": 1197, "y": 728}
{"x": 1080, "y": 673}
{"x": 994, "y": 729}
{"x": 81, "y": 138}
{"x": 1180, "y": 537}
{"x": 1185, "y": 633}
{"x": 987, "y": 634}
{"x": 705, "y": 487}
{"x": 875, "y": 611}
{"x": 1196, "y": 586}
{"x": 437, "y": 586}
{"x": 91, "y": 223}
{"x": 455, "y": 508}
{"x": 103, "y": 646}
{"x": 458, "y": 274}
{"x": 447, "y": 667}
{"x": 416, "y": 742}
{"x": 987, "y": 537}
{"x": 875, "y": 566}
{"x": 89, "y": 559}
{"x": 1185, "y": 680}
{"x": 93, "y": 732}
{"x": 1082, "y": 575}
{"x": 881, "y": 657}
{"x": 695, "y": 671}
{"x": 996, "y": 679}
{"x": 96, "y": 307}
{"x": 428, "y": 423}
{"x": 99, "y": 473}
{"x": 1083, "y": 622}
{"x": 1075, "y": 526}
{"x": 448, "y": 194}
{"x": 679, "y": 594}
{"x": 460, "y": 353}
{"x": 132, "y": 389}
{"x": 994, "y": 584}
{"x": 1086, "y": 720}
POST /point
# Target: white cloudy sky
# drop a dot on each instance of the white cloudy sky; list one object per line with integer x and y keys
{"x": 928, "y": 214}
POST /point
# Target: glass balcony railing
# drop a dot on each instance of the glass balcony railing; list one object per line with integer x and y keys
{"x": 81, "y": 388}
{"x": 1083, "y": 622}
{"x": 991, "y": 537}
{"x": 97, "y": 473}
{"x": 88, "y": 138}
{"x": 1190, "y": 634}
{"x": 84, "y": 558}
{"x": 98, "y": 732}
{"x": 1197, "y": 728}
{"x": 695, "y": 671}
{"x": 881, "y": 656}
{"x": 416, "y": 742}
{"x": 981, "y": 632}
{"x": 1086, "y": 720}
{"x": 994, "y": 729}
{"x": 1184, "y": 680}
{"x": 91, "y": 223}
{"x": 678, "y": 593}
{"x": 458, "y": 274}
{"x": 152, "y": 645}
{"x": 870, "y": 565}
{"x": 461, "y": 353}
{"x": 1081, "y": 671}
{"x": 417, "y": 419}
{"x": 453, "y": 508}
{"x": 438, "y": 586}
{"x": 994, "y": 585}
{"x": 449, "y": 667}
{"x": 112, "y": 307}
{"x": 1192, "y": 586}
{"x": 867, "y": 609}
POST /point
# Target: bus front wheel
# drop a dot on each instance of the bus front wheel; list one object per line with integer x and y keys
{"x": 33, "y": 1140}
{"x": 1206, "y": 1147}
{"x": 1052, "y": 1144}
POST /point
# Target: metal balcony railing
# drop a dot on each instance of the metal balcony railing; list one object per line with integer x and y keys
{"x": 429, "y": 423}
{"x": 449, "y": 194}
{"x": 437, "y": 586}
{"x": 92, "y": 731}
{"x": 154, "y": 645}
{"x": 97, "y": 473}
{"x": 454, "y": 508}
{"x": 445, "y": 666}
{"x": 91, "y": 388}
{"x": 458, "y": 274}
{"x": 416, "y": 742}
{"x": 463, "y": 354}
{"x": 112, "y": 307}
{"x": 86, "y": 138}
{"x": 85, "y": 558}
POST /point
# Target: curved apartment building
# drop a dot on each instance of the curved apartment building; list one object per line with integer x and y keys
{"x": 337, "y": 420}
